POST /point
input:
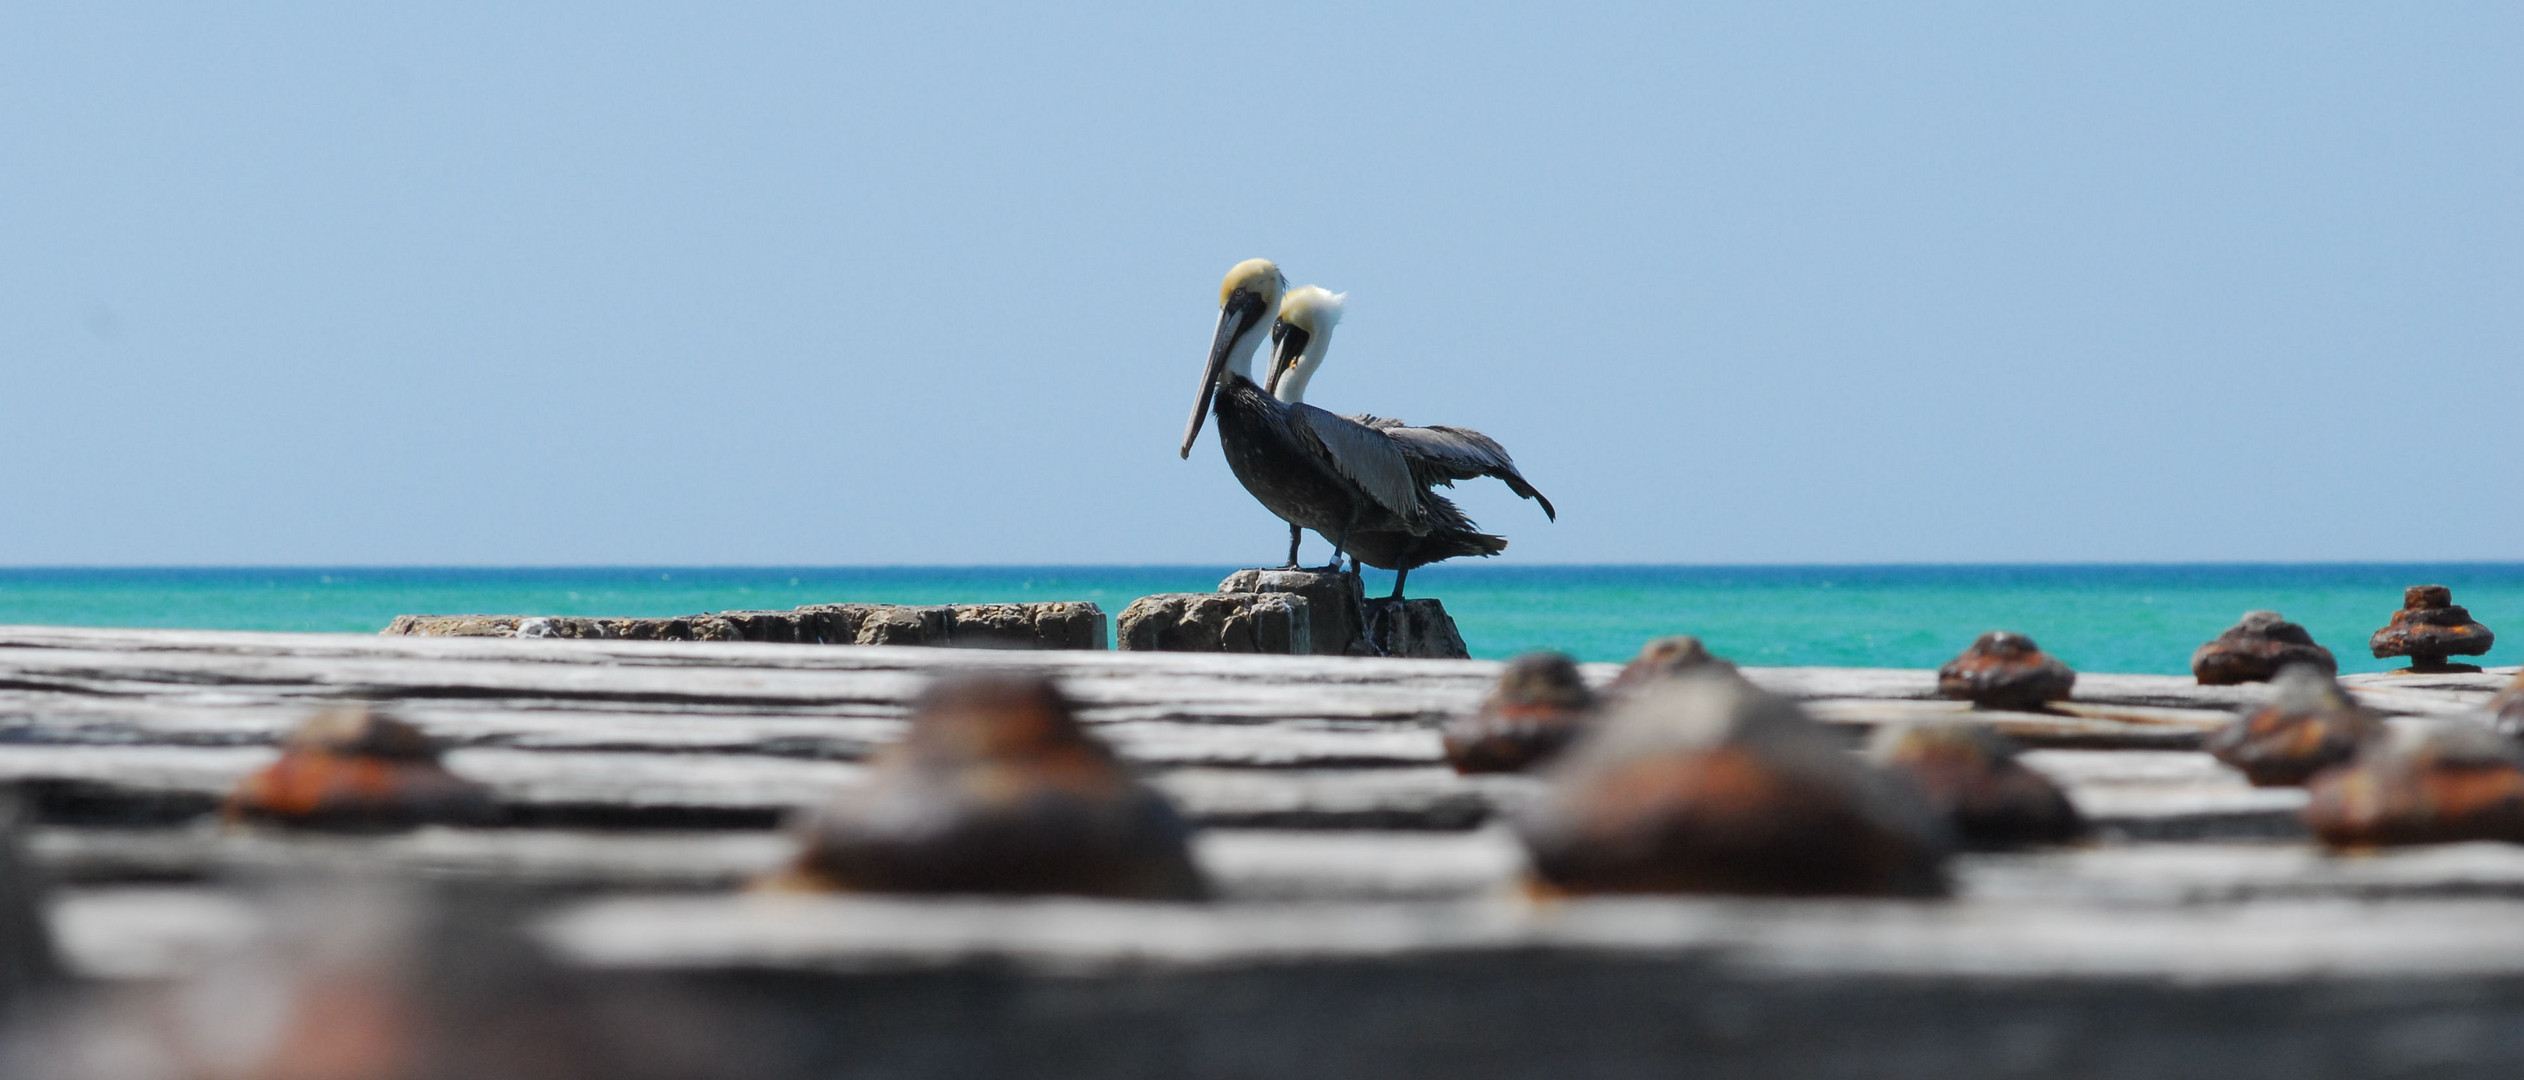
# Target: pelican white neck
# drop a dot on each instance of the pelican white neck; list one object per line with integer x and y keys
{"x": 1292, "y": 387}
{"x": 1306, "y": 320}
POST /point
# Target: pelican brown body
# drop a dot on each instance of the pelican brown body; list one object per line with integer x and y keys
{"x": 1369, "y": 447}
{"x": 996, "y": 788}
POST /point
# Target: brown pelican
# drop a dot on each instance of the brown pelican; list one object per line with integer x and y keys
{"x": 1324, "y": 472}
{"x": 1436, "y": 456}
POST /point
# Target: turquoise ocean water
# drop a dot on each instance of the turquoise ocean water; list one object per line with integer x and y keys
{"x": 2128, "y": 618}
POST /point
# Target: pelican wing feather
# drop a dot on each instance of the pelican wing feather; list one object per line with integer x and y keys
{"x": 1362, "y": 454}
{"x": 1442, "y": 455}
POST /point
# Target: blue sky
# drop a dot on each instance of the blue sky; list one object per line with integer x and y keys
{"x": 932, "y": 284}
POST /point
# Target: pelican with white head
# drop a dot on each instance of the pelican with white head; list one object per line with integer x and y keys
{"x": 1299, "y": 337}
{"x": 1432, "y": 456}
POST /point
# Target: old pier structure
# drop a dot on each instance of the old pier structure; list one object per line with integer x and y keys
{"x": 1366, "y": 912}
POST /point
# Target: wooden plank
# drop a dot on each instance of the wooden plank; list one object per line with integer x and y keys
{"x": 186, "y": 693}
{"x": 2137, "y": 793}
{"x": 1241, "y": 865}
{"x": 2256, "y": 941}
{"x": 107, "y": 932}
{"x": 1433, "y": 892}
{"x": 545, "y": 858}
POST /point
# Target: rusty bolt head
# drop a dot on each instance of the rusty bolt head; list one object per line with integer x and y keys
{"x": 996, "y": 788}
{"x": 1704, "y": 783}
{"x": 1664, "y": 658}
{"x": 2506, "y": 710}
{"x": 2004, "y": 670}
{"x": 2441, "y": 784}
{"x": 2430, "y": 627}
{"x": 362, "y": 732}
{"x": 356, "y": 769}
{"x": 2308, "y": 725}
{"x": 1970, "y": 776}
{"x": 1538, "y": 706}
{"x": 2255, "y": 649}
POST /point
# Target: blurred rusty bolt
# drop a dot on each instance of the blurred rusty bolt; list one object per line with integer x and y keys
{"x": 1704, "y": 783}
{"x": 2430, "y": 627}
{"x": 997, "y": 788}
{"x": 1664, "y": 658}
{"x": 1538, "y": 706}
{"x": 2255, "y": 649}
{"x": 2442, "y": 784}
{"x": 1970, "y": 774}
{"x": 2005, "y": 670}
{"x": 355, "y": 768}
{"x": 2506, "y": 710}
{"x": 2308, "y": 725}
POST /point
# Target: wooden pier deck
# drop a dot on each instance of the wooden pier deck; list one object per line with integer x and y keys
{"x": 1367, "y": 921}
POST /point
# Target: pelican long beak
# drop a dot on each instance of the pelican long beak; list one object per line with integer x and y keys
{"x": 1234, "y": 317}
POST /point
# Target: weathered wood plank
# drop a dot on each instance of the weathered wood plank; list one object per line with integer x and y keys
{"x": 2139, "y": 794}
{"x": 2258, "y": 941}
{"x": 549, "y": 858}
{"x": 154, "y": 931}
{"x": 1239, "y": 864}
{"x": 195, "y": 689}
{"x": 1245, "y": 865}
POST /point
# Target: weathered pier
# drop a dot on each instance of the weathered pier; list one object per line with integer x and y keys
{"x": 1367, "y": 915}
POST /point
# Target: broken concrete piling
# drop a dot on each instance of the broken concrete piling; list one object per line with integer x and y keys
{"x": 1218, "y": 622}
{"x": 1058, "y": 625}
{"x": 1262, "y": 610}
{"x": 1335, "y": 608}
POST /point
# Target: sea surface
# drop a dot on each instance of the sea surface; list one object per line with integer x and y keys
{"x": 2119, "y": 618}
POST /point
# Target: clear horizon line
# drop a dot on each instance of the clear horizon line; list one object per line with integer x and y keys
{"x": 1206, "y": 566}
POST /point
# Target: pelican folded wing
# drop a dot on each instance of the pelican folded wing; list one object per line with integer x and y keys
{"x": 1363, "y": 455}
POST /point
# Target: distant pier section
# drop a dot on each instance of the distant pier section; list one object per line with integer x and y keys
{"x": 1270, "y": 611}
{"x": 1068, "y": 624}
{"x": 1299, "y": 612}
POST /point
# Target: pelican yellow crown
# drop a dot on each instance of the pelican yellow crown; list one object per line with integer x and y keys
{"x": 1258, "y": 276}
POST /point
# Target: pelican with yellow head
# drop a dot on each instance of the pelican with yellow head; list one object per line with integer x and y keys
{"x": 1317, "y": 472}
